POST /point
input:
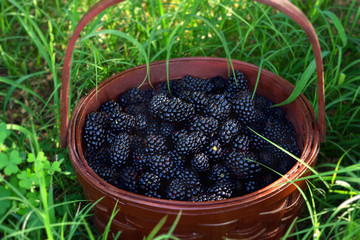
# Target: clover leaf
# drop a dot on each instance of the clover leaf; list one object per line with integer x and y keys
{"x": 27, "y": 179}
{"x": 10, "y": 161}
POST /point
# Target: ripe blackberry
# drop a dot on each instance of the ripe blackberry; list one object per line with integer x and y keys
{"x": 190, "y": 143}
{"x": 219, "y": 84}
{"x": 200, "y": 162}
{"x": 214, "y": 151}
{"x": 263, "y": 104}
{"x": 177, "y": 190}
{"x": 149, "y": 181}
{"x": 173, "y": 87}
{"x": 219, "y": 173}
{"x": 121, "y": 122}
{"x": 243, "y": 107}
{"x": 128, "y": 179}
{"x": 193, "y": 84}
{"x": 132, "y": 96}
{"x": 110, "y": 106}
{"x": 161, "y": 165}
{"x": 241, "y": 143}
{"x": 192, "y": 182}
{"x": 223, "y": 189}
{"x": 243, "y": 165}
{"x": 251, "y": 185}
{"x": 107, "y": 173}
{"x": 153, "y": 194}
{"x": 171, "y": 109}
{"x": 120, "y": 149}
{"x": 218, "y": 107}
{"x": 141, "y": 122}
{"x": 237, "y": 83}
{"x": 95, "y": 129}
{"x": 155, "y": 144}
{"x": 207, "y": 125}
{"x": 140, "y": 160}
{"x": 198, "y": 99}
{"x": 228, "y": 131}
{"x": 207, "y": 197}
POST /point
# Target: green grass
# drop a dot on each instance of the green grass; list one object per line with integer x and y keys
{"x": 38, "y": 189}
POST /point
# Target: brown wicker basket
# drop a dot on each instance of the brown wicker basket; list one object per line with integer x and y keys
{"x": 264, "y": 214}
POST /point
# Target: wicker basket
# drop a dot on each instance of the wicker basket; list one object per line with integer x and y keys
{"x": 264, "y": 214}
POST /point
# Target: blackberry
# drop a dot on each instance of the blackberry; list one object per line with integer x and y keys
{"x": 207, "y": 197}
{"x": 95, "y": 129}
{"x": 263, "y": 104}
{"x": 106, "y": 173}
{"x": 228, "y": 131}
{"x": 192, "y": 182}
{"x": 129, "y": 179}
{"x": 243, "y": 107}
{"x": 241, "y": 143}
{"x": 177, "y": 190}
{"x": 218, "y": 107}
{"x": 176, "y": 86}
{"x": 132, "y": 96}
{"x": 193, "y": 84}
{"x": 251, "y": 185}
{"x": 119, "y": 151}
{"x": 200, "y": 162}
{"x": 149, "y": 181}
{"x": 207, "y": 125}
{"x": 171, "y": 109}
{"x": 121, "y": 122}
{"x": 110, "y": 106}
{"x": 222, "y": 189}
{"x": 198, "y": 99}
{"x": 214, "y": 151}
{"x": 140, "y": 160}
{"x": 237, "y": 83}
{"x": 152, "y": 128}
{"x": 219, "y": 84}
{"x": 141, "y": 122}
{"x": 243, "y": 165}
{"x": 161, "y": 165}
{"x": 190, "y": 143}
{"x": 153, "y": 194}
{"x": 155, "y": 144}
{"x": 219, "y": 173}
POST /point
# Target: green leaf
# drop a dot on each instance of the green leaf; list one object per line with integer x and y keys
{"x": 15, "y": 157}
{"x": 339, "y": 27}
{"x": 300, "y": 85}
{"x": 27, "y": 179}
{"x": 4, "y": 133}
{"x": 10, "y": 162}
{"x": 55, "y": 167}
{"x": 4, "y": 203}
{"x": 31, "y": 158}
{"x": 3, "y": 160}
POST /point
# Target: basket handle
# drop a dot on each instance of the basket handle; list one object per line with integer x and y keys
{"x": 282, "y": 5}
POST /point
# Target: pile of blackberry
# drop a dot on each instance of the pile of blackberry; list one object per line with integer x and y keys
{"x": 190, "y": 139}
